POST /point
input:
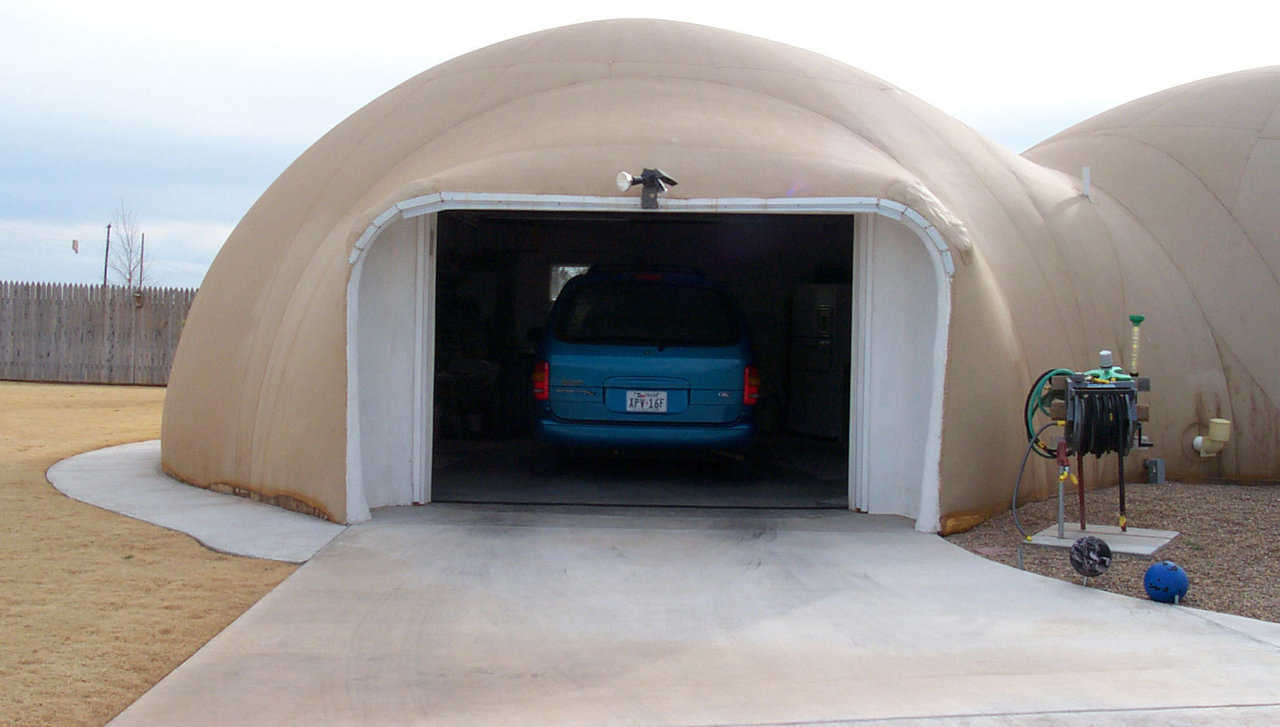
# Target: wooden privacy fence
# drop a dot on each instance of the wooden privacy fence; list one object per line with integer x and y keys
{"x": 90, "y": 333}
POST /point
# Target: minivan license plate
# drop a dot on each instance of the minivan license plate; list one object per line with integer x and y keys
{"x": 652, "y": 402}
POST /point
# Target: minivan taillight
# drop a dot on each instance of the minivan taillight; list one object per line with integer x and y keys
{"x": 542, "y": 381}
{"x": 750, "y": 386}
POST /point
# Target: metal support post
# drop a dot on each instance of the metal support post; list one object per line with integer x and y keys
{"x": 1080, "y": 489}
{"x": 1064, "y": 470}
{"x": 1124, "y": 522}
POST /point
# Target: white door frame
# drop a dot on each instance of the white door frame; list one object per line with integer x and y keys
{"x": 425, "y": 209}
{"x": 424, "y": 357}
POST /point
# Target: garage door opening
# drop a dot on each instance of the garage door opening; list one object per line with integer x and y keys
{"x": 847, "y": 310}
{"x": 497, "y": 275}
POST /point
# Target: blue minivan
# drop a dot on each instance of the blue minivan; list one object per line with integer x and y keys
{"x": 652, "y": 358}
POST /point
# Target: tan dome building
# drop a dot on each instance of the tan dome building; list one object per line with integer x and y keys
{"x": 376, "y": 299}
{"x": 1195, "y": 173}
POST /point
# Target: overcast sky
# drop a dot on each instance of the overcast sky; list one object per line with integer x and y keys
{"x": 186, "y": 115}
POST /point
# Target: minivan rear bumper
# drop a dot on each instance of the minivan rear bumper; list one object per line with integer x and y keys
{"x": 640, "y": 436}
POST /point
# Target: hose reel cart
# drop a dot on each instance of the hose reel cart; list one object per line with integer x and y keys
{"x": 1099, "y": 414}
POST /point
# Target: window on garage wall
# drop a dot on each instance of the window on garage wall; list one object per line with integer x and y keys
{"x": 561, "y": 273}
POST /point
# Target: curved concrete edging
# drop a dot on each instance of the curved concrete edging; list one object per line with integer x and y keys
{"x": 127, "y": 479}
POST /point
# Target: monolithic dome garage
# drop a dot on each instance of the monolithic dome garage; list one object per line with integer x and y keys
{"x": 370, "y": 333}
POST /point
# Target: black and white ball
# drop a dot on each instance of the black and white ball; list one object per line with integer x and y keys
{"x": 1090, "y": 556}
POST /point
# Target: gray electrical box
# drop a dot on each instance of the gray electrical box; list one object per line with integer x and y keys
{"x": 1155, "y": 470}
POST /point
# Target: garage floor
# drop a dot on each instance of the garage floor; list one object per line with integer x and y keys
{"x": 482, "y": 614}
{"x": 789, "y": 472}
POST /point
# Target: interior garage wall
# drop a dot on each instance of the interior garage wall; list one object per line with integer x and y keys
{"x": 898, "y": 289}
{"x": 386, "y": 359}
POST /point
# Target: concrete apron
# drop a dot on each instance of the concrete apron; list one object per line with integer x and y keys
{"x": 463, "y": 615}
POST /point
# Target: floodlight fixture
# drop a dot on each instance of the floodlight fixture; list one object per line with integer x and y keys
{"x": 655, "y": 182}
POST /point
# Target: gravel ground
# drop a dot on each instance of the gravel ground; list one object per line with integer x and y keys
{"x": 1229, "y": 543}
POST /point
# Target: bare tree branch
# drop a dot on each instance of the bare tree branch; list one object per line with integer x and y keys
{"x": 126, "y": 251}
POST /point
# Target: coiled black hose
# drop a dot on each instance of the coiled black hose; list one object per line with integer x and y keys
{"x": 1103, "y": 423}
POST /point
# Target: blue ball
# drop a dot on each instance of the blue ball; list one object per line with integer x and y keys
{"x": 1165, "y": 582}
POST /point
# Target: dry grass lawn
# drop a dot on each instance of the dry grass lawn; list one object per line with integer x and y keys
{"x": 96, "y": 607}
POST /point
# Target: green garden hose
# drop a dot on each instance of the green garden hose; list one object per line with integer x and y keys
{"x": 1038, "y": 400}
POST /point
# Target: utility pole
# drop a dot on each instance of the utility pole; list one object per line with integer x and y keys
{"x": 106, "y": 256}
{"x": 142, "y": 259}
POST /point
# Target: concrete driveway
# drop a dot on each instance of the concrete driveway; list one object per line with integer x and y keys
{"x": 470, "y": 614}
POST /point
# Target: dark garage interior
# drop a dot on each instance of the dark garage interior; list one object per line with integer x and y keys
{"x": 497, "y": 274}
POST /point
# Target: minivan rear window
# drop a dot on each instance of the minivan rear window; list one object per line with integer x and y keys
{"x": 641, "y": 313}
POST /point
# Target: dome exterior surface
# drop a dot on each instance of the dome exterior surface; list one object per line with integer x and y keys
{"x": 1198, "y": 168}
{"x": 1043, "y": 276}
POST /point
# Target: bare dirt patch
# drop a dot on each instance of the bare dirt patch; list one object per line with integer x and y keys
{"x": 96, "y": 607}
{"x": 1229, "y": 543}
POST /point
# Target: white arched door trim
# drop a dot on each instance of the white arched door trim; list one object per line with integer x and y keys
{"x": 425, "y": 207}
